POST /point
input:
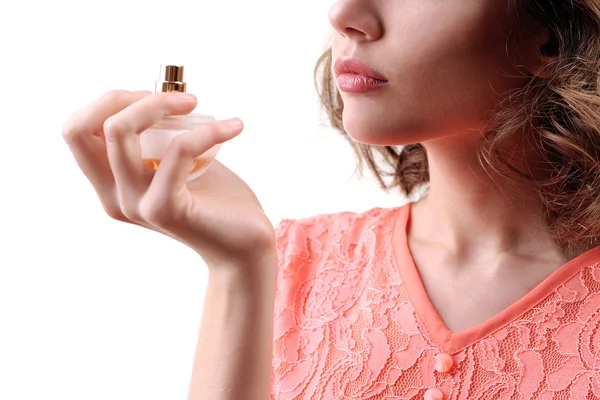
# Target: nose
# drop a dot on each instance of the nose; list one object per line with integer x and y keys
{"x": 356, "y": 20}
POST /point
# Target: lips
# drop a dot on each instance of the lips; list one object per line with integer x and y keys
{"x": 353, "y": 66}
{"x": 355, "y": 77}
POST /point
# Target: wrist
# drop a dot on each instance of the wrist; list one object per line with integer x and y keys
{"x": 249, "y": 276}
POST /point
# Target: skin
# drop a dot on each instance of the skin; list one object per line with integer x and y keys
{"x": 448, "y": 64}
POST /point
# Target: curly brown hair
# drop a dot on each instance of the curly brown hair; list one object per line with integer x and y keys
{"x": 562, "y": 110}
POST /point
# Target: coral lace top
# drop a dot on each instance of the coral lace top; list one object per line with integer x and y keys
{"x": 353, "y": 321}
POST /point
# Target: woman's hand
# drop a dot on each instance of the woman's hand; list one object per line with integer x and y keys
{"x": 217, "y": 215}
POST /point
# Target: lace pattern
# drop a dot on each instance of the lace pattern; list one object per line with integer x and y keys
{"x": 346, "y": 329}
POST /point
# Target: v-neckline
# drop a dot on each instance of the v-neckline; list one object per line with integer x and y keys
{"x": 437, "y": 330}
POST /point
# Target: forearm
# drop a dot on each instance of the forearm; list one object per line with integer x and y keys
{"x": 234, "y": 350}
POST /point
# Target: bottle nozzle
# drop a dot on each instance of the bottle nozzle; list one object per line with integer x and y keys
{"x": 170, "y": 79}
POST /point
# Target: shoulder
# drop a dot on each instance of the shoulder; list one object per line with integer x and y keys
{"x": 326, "y": 265}
{"x": 302, "y": 240}
{"x": 319, "y": 254}
{"x": 322, "y": 226}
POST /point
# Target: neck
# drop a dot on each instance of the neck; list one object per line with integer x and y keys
{"x": 475, "y": 213}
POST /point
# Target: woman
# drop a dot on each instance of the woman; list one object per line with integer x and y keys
{"x": 486, "y": 288}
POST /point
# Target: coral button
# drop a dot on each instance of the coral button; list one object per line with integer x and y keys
{"x": 434, "y": 394}
{"x": 443, "y": 362}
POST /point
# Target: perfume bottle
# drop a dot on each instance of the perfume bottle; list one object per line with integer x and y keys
{"x": 155, "y": 140}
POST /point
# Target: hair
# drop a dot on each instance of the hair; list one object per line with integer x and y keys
{"x": 560, "y": 109}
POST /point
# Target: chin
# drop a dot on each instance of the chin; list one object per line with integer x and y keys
{"x": 381, "y": 131}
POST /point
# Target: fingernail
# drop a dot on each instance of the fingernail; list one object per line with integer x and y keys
{"x": 187, "y": 96}
{"x": 234, "y": 123}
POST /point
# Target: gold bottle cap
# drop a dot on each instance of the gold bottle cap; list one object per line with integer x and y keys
{"x": 170, "y": 79}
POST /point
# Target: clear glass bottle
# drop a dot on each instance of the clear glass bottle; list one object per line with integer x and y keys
{"x": 155, "y": 140}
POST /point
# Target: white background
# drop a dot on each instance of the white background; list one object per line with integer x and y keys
{"x": 91, "y": 308}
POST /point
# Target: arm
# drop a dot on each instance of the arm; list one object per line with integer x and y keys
{"x": 234, "y": 351}
{"x": 218, "y": 216}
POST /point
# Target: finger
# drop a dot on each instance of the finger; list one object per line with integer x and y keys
{"x": 175, "y": 166}
{"x": 123, "y": 144}
{"x": 88, "y": 150}
{"x": 90, "y": 119}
